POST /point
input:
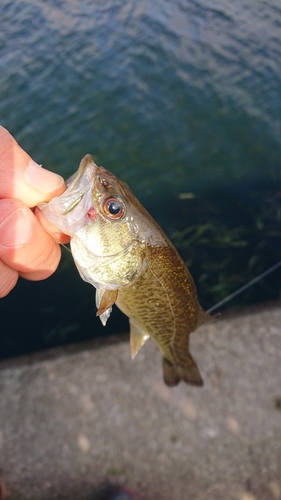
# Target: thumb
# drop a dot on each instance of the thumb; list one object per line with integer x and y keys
{"x": 22, "y": 178}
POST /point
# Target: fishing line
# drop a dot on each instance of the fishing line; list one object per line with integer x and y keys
{"x": 68, "y": 249}
{"x": 245, "y": 287}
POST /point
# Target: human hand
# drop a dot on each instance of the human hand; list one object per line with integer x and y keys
{"x": 27, "y": 249}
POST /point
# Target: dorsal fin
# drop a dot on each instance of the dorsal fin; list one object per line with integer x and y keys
{"x": 203, "y": 317}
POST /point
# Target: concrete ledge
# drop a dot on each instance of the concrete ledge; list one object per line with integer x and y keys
{"x": 75, "y": 420}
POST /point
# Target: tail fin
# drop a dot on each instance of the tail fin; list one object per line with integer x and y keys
{"x": 173, "y": 374}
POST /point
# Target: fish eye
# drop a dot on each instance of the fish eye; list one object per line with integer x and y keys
{"x": 113, "y": 208}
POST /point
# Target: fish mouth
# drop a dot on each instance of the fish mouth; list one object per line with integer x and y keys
{"x": 70, "y": 211}
{"x": 76, "y": 179}
{"x": 73, "y": 204}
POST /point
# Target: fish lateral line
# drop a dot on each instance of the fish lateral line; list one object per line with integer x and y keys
{"x": 168, "y": 298}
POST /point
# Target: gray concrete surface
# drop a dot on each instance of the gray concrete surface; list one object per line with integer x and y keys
{"x": 73, "y": 421}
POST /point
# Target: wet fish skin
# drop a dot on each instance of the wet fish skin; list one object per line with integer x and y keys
{"x": 163, "y": 303}
{"x": 132, "y": 263}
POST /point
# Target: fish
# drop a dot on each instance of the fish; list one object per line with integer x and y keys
{"x": 121, "y": 250}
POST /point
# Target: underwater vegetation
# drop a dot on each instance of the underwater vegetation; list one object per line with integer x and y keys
{"x": 230, "y": 236}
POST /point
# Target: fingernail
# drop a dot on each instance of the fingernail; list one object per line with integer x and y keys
{"x": 41, "y": 179}
{"x": 15, "y": 229}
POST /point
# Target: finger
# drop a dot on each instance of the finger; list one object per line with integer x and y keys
{"x": 9, "y": 278}
{"x": 51, "y": 229}
{"x": 24, "y": 244}
{"x": 22, "y": 178}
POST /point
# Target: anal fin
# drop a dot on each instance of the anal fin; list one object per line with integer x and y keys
{"x": 137, "y": 338}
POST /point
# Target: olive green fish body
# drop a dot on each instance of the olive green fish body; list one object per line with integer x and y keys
{"x": 121, "y": 250}
{"x": 163, "y": 303}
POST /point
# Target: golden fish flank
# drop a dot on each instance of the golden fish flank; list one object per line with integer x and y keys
{"x": 121, "y": 250}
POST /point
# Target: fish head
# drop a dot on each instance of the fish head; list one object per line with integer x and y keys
{"x": 110, "y": 230}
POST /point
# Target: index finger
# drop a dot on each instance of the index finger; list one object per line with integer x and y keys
{"x": 22, "y": 178}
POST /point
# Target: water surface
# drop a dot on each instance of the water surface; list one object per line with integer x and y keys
{"x": 175, "y": 98}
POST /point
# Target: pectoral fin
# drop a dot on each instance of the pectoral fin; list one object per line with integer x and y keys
{"x": 104, "y": 301}
{"x": 137, "y": 338}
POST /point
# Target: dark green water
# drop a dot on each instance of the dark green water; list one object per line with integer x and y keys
{"x": 173, "y": 97}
